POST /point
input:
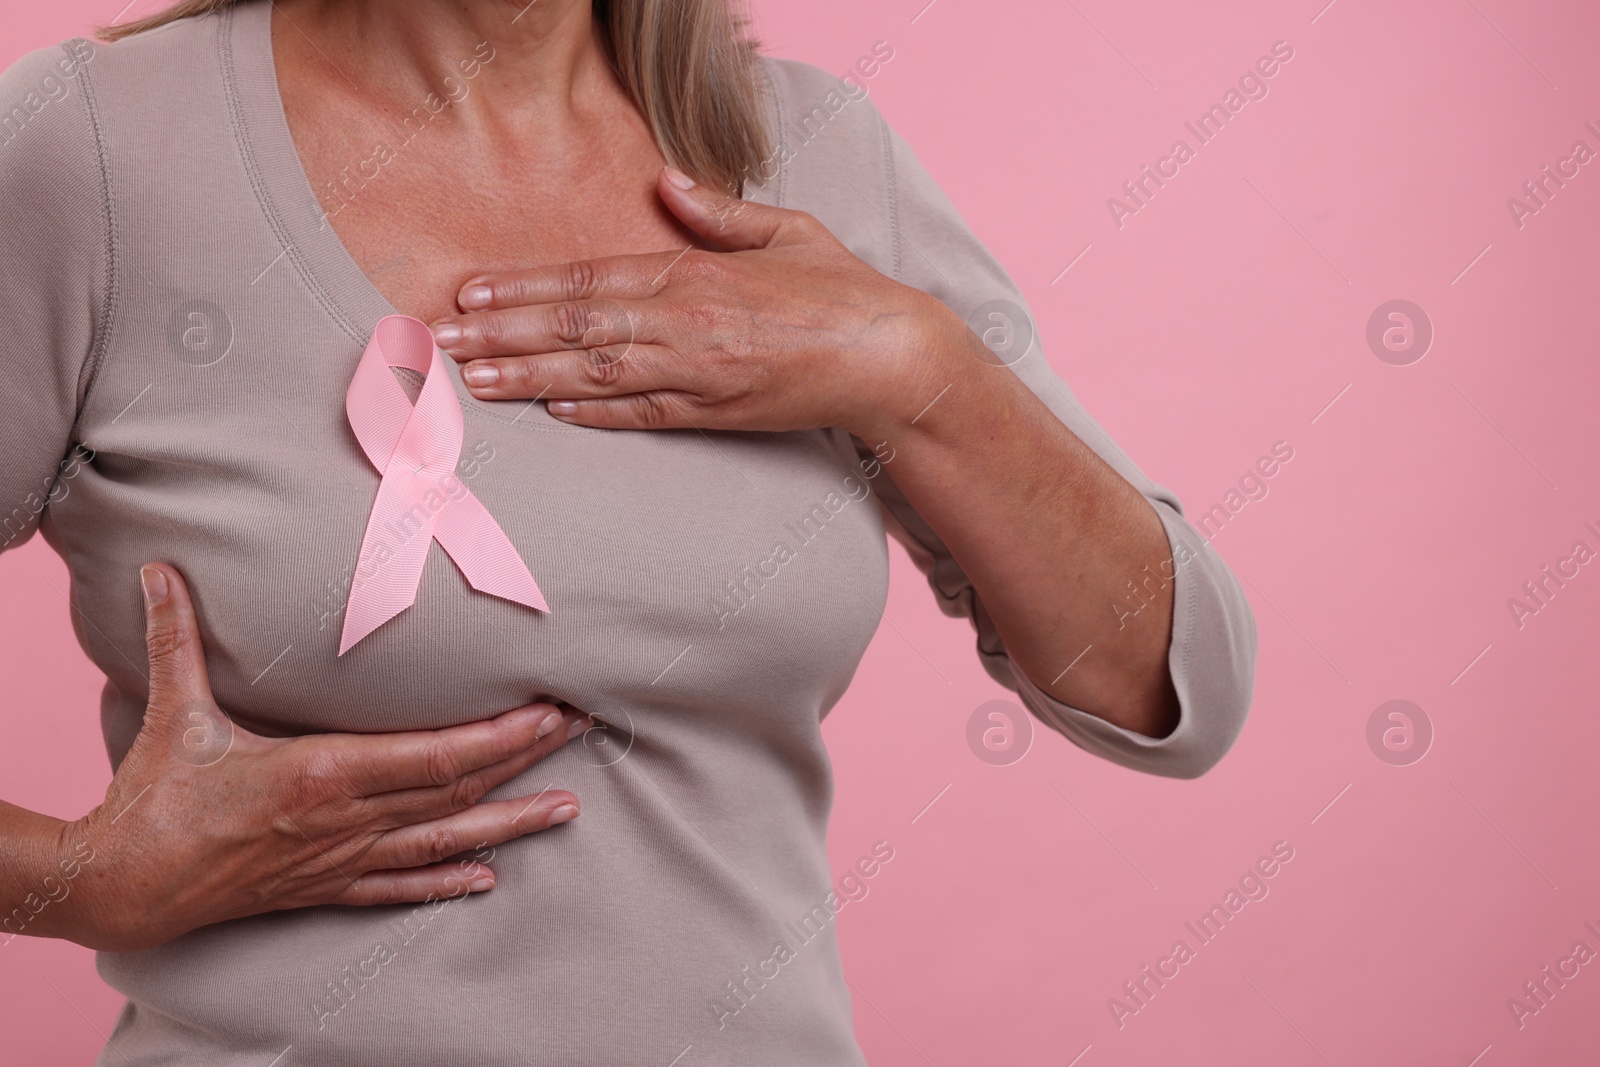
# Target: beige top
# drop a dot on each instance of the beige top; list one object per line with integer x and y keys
{"x": 172, "y": 302}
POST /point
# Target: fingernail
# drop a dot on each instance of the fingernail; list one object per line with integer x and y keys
{"x": 155, "y": 586}
{"x": 548, "y": 724}
{"x": 562, "y": 407}
{"x": 481, "y": 374}
{"x": 565, "y": 813}
{"x": 578, "y": 727}
{"x": 446, "y": 334}
{"x": 476, "y": 296}
{"x": 478, "y": 885}
{"x": 679, "y": 178}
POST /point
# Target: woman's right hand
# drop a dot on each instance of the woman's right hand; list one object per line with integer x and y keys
{"x": 205, "y": 821}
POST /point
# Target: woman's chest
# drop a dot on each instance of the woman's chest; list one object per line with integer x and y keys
{"x": 423, "y": 213}
{"x": 425, "y": 245}
{"x": 683, "y": 570}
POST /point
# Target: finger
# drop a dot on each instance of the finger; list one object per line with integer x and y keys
{"x": 659, "y": 409}
{"x": 620, "y": 277}
{"x": 729, "y": 223}
{"x": 440, "y": 881}
{"x": 606, "y": 371}
{"x": 555, "y": 327}
{"x": 172, "y": 638}
{"x": 484, "y": 824}
{"x": 380, "y": 763}
{"x": 405, "y": 807}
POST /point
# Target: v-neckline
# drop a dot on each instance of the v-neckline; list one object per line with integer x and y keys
{"x": 311, "y": 245}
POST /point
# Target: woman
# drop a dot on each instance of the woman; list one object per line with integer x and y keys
{"x": 699, "y": 306}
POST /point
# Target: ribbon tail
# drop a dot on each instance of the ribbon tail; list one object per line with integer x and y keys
{"x": 486, "y": 557}
{"x": 389, "y": 568}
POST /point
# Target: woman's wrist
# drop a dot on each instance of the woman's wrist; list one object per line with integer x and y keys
{"x": 44, "y": 861}
{"x": 929, "y": 356}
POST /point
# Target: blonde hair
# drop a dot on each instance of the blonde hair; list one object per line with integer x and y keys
{"x": 690, "y": 66}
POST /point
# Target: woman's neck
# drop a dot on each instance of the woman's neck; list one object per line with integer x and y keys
{"x": 550, "y": 66}
{"x": 432, "y": 172}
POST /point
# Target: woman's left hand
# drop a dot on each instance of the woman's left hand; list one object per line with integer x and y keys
{"x": 778, "y": 328}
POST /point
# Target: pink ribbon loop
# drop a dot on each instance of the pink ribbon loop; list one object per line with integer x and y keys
{"x": 415, "y": 448}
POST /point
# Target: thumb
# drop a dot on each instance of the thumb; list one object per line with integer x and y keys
{"x": 179, "y": 685}
{"x": 731, "y": 224}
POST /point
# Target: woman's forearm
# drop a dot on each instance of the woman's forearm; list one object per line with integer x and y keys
{"x": 1047, "y": 531}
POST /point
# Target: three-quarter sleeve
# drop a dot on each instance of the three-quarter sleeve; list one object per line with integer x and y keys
{"x": 1213, "y": 647}
{"x": 54, "y": 276}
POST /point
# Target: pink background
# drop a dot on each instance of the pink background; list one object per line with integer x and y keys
{"x": 1223, "y": 317}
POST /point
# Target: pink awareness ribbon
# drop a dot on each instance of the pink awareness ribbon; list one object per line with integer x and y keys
{"x": 420, "y": 498}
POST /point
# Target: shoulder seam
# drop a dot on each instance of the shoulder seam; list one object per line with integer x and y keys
{"x": 775, "y": 92}
{"x": 891, "y": 194}
{"x": 90, "y": 372}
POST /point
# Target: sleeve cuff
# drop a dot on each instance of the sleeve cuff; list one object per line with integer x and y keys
{"x": 1211, "y": 657}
